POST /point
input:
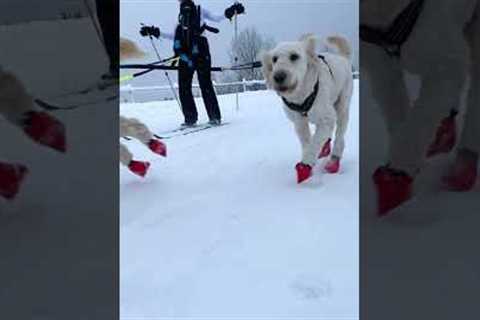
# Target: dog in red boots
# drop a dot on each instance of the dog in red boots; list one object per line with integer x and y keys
{"x": 399, "y": 37}
{"x": 315, "y": 90}
{"x": 17, "y": 107}
{"x": 133, "y": 128}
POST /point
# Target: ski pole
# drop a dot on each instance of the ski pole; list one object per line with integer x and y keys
{"x": 236, "y": 55}
{"x": 94, "y": 22}
{"x": 166, "y": 73}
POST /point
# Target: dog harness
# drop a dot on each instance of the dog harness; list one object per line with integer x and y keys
{"x": 392, "y": 39}
{"x": 305, "y": 107}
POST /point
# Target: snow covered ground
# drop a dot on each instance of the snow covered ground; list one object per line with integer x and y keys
{"x": 221, "y": 230}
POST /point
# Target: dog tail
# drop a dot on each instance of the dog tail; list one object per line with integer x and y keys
{"x": 341, "y": 45}
{"x": 129, "y": 50}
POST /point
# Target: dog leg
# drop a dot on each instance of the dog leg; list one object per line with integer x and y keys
{"x": 343, "y": 107}
{"x": 387, "y": 86}
{"x": 130, "y": 127}
{"x": 302, "y": 128}
{"x": 440, "y": 91}
{"x": 139, "y": 168}
{"x": 304, "y": 135}
{"x": 463, "y": 174}
{"x": 323, "y": 132}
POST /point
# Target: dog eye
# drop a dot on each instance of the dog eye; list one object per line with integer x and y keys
{"x": 294, "y": 57}
{"x": 275, "y": 59}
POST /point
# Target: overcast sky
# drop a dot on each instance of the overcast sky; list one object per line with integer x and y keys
{"x": 281, "y": 19}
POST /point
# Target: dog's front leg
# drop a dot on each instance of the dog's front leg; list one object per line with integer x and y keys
{"x": 323, "y": 132}
{"x": 302, "y": 129}
{"x": 130, "y": 127}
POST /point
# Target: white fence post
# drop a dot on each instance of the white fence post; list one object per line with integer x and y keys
{"x": 244, "y": 82}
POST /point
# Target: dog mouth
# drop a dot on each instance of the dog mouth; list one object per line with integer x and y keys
{"x": 286, "y": 89}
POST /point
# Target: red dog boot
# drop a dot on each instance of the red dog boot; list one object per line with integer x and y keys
{"x": 393, "y": 188}
{"x": 11, "y": 178}
{"x": 333, "y": 165}
{"x": 140, "y": 168}
{"x": 158, "y": 147}
{"x": 463, "y": 175}
{"x": 326, "y": 149}
{"x": 304, "y": 171}
{"x": 45, "y": 129}
{"x": 445, "y": 137}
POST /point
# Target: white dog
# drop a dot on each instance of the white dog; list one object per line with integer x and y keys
{"x": 443, "y": 50}
{"x": 314, "y": 90}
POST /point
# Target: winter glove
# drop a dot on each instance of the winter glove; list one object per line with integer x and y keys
{"x": 146, "y": 31}
{"x": 236, "y": 8}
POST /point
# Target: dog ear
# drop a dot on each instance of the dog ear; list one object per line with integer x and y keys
{"x": 267, "y": 67}
{"x": 310, "y": 43}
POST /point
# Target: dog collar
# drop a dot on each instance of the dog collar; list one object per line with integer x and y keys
{"x": 305, "y": 107}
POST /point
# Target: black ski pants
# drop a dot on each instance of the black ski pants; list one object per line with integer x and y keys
{"x": 202, "y": 64}
{"x": 108, "y": 12}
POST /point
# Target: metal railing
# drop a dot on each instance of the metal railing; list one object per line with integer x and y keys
{"x": 133, "y": 94}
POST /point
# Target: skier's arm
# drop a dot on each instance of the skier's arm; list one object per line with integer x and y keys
{"x": 207, "y": 15}
{"x": 168, "y": 36}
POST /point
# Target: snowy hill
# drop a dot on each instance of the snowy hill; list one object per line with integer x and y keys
{"x": 220, "y": 229}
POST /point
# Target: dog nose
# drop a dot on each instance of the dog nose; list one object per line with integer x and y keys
{"x": 280, "y": 77}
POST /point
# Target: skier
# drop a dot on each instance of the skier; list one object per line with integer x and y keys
{"x": 108, "y": 12}
{"x": 191, "y": 45}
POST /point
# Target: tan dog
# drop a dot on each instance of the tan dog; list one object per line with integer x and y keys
{"x": 134, "y": 128}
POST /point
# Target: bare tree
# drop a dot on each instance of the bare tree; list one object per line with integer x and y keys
{"x": 247, "y": 48}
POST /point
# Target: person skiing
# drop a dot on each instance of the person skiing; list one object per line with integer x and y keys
{"x": 107, "y": 13}
{"x": 191, "y": 45}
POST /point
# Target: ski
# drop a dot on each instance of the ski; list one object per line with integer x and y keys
{"x": 98, "y": 87}
{"x": 193, "y": 130}
{"x": 54, "y": 107}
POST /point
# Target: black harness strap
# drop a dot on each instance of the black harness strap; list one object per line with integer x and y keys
{"x": 305, "y": 107}
{"x": 322, "y": 57}
{"x": 397, "y": 34}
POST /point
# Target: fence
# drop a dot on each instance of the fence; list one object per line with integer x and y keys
{"x": 132, "y": 94}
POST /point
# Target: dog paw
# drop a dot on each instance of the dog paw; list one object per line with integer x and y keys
{"x": 304, "y": 172}
{"x": 333, "y": 165}
{"x": 158, "y": 147}
{"x": 326, "y": 149}
{"x": 140, "y": 168}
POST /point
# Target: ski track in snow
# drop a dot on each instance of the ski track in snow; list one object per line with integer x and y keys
{"x": 221, "y": 230}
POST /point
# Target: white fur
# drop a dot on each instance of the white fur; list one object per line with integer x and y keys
{"x": 131, "y": 127}
{"x": 14, "y": 99}
{"x": 443, "y": 56}
{"x": 331, "y": 107}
